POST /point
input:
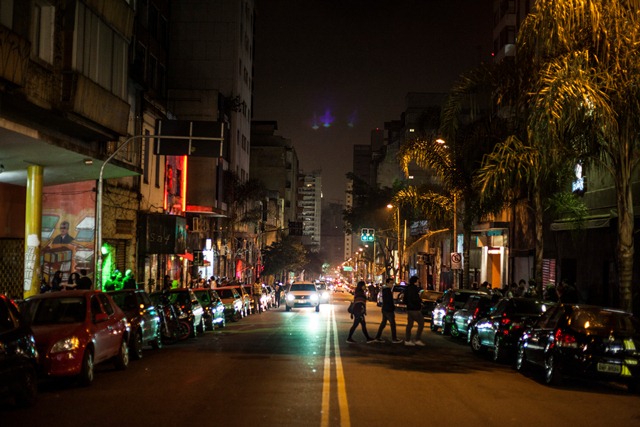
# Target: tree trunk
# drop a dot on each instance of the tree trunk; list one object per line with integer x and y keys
{"x": 625, "y": 247}
{"x": 539, "y": 242}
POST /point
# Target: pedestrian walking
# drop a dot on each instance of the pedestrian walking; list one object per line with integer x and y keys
{"x": 359, "y": 312}
{"x": 388, "y": 313}
{"x": 278, "y": 293}
{"x": 414, "y": 313}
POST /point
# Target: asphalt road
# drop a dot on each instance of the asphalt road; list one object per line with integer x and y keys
{"x": 295, "y": 369}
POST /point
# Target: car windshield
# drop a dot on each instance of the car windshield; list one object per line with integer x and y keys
{"x": 529, "y": 306}
{"x": 125, "y": 300}
{"x": 49, "y": 311}
{"x": 303, "y": 287}
{"x": 226, "y": 293}
{"x": 594, "y": 320}
{"x": 179, "y": 297}
{"x": 203, "y": 296}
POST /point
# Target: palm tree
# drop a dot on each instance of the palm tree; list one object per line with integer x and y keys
{"x": 586, "y": 95}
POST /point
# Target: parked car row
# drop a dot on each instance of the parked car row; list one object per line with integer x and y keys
{"x": 558, "y": 340}
{"x": 66, "y": 334}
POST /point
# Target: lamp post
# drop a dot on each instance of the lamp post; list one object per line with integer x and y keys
{"x": 400, "y": 241}
{"x": 454, "y": 242}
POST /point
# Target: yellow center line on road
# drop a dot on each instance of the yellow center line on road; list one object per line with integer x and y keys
{"x": 343, "y": 404}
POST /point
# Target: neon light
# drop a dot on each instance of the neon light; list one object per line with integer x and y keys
{"x": 184, "y": 183}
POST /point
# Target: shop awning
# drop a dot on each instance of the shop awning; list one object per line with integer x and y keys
{"x": 186, "y": 256}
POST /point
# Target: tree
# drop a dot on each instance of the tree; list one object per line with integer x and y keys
{"x": 586, "y": 95}
{"x": 454, "y": 161}
{"x": 284, "y": 256}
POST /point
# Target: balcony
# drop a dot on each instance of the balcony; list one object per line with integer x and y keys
{"x": 88, "y": 100}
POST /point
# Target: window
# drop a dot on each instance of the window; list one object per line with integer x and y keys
{"x": 6, "y": 13}
{"x": 99, "y": 52}
{"x": 42, "y": 30}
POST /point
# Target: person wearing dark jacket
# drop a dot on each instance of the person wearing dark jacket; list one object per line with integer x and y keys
{"x": 388, "y": 313}
{"x": 359, "y": 312}
{"x": 414, "y": 312}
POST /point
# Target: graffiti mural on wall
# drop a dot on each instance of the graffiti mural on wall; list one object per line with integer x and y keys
{"x": 68, "y": 229}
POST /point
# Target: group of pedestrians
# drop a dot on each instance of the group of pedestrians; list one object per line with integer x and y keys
{"x": 413, "y": 304}
{"x": 74, "y": 281}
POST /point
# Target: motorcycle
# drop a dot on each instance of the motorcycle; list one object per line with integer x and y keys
{"x": 174, "y": 324}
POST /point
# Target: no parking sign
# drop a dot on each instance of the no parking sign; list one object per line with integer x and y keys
{"x": 456, "y": 260}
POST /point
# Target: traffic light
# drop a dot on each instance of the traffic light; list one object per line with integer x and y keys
{"x": 367, "y": 234}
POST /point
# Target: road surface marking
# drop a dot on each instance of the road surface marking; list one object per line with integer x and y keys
{"x": 343, "y": 404}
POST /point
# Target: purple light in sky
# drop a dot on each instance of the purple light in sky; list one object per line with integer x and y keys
{"x": 353, "y": 118}
{"x": 327, "y": 119}
{"x": 314, "y": 124}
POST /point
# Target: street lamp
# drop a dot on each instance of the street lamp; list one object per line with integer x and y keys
{"x": 454, "y": 243}
{"x": 400, "y": 240}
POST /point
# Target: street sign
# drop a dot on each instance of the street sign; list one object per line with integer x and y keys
{"x": 456, "y": 260}
{"x": 193, "y": 138}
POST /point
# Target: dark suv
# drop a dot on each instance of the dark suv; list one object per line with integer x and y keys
{"x": 452, "y": 300}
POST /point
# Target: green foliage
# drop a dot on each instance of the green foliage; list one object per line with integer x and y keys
{"x": 286, "y": 255}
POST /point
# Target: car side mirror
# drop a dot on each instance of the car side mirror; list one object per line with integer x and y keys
{"x": 100, "y": 317}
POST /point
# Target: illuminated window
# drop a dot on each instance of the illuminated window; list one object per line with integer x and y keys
{"x": 43, "y": 19}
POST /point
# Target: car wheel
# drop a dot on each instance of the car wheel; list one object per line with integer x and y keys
{"x": 552, "y": 371}
{"x": 136, "y": 345}
{"x": 446, "y": 328}
{"x": 498, "y": 350}
{"x": 28, "y": 391}
{"x": 454, "y": 331}
{"x": 521, "y": 359}
{"x": 87, "y": 372}
{"x": 122, "y": 359}
{"x": 476, "y": 345}
{"x": 185, "y": 330}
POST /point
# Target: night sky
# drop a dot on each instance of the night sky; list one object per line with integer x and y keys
{"x": 331, "y": 71}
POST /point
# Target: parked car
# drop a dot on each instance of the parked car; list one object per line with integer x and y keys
{"x": 233, "y": 304}
{"x": 245, "y": 292}
{"x": 452, "y": 300}
{"x": 18, "y": 355}
{"x": 270, "y": 296}
{"x": 213, "y": 308}
{"x": 398, "y": 296}
{"x": 189, "y": 306}
{"x": 302, "y": 294}
{"x": 143, "y": 317}
{"x": 476, "y": 307}
{"x": 429, "y": 300}
{"x": 76, "y": 330}
{"x": 583, "y": 341}
{"x": 505, "y": 323}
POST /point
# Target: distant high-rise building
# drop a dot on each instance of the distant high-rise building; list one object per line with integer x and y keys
{"x": 310, "y": 208}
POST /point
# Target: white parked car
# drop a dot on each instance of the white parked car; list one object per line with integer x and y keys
{"x": 302, "y": 294}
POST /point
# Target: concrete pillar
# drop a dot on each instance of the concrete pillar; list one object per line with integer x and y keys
{"x": 33, "y": 231}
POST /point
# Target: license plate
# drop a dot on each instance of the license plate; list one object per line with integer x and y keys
{"x": 609, "y": 368}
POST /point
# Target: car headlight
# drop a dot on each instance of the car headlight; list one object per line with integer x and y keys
{"x": 67, "y": 344}
{"x": 314, "y": 297}
{"x": 290, "y": 297}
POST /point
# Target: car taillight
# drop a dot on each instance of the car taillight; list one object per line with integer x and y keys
{"x": 451, "y": 306}
{"x": 565, "y": 339}
{"x": 475, "y": 313}
{"x": 505, "y": 321}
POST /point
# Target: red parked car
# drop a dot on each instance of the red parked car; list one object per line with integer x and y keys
{"x": 75, "y": 330}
